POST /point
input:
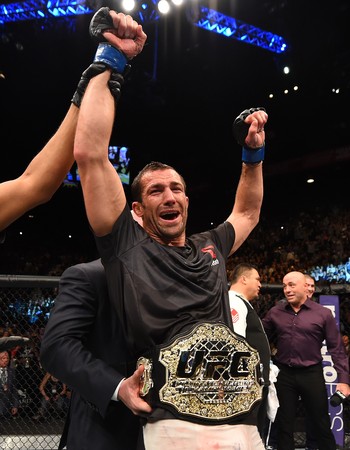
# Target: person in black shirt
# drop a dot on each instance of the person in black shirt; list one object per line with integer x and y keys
{"x": 54, "y": 399}
{"x": 196, "y": 380}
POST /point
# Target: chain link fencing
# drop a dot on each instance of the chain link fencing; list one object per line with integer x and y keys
{"x": 29, "y": 421}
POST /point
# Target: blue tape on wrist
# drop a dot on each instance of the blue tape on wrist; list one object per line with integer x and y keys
{"x": 251, "y": 155}
{"x": 111, "y": 56}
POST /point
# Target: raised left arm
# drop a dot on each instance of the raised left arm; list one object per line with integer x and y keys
{"x": 249, "y": 194}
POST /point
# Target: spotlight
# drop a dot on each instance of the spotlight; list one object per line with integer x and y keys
{"x": 163, "y": 6}
{"x": 128, "y": 5}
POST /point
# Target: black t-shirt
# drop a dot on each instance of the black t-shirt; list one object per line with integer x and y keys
{"x": 158, "y": 290}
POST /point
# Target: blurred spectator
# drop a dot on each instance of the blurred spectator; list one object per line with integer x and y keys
{"x": 346, "y": 342}
{"x": 8, "y": 391}
{"x": 326, "y": 231}
{"x": 311, "y": 287}
{"x": 54, "y": 397}
{"x": 29, "y": 374}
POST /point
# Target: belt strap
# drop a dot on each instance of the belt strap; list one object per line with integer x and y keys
{"x": 207, "y": 375}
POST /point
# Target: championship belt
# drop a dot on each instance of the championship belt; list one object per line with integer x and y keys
{"x": 209, "y": 373}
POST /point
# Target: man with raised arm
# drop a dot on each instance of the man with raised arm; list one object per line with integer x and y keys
{"x": 197, "y": 383}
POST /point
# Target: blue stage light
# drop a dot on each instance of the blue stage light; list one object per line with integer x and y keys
{"x": 147, "y": 11}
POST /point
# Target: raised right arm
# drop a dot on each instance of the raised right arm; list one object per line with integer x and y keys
{"x": 104, "y": 195}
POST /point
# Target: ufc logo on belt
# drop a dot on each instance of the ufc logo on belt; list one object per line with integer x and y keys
{"x": 213, "y": 364}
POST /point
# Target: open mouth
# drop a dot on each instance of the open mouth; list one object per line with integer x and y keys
{"x": 170, "y": 215}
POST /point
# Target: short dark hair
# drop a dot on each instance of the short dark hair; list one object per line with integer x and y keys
{"x": 239, "y": 270}
{"x": 136, "y": 185}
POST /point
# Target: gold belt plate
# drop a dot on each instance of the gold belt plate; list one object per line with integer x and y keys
{"x": 211, "y": 373}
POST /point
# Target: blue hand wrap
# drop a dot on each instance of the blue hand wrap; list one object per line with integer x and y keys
{"x": 111, "y": 56}
{"x": 252, "y": 156}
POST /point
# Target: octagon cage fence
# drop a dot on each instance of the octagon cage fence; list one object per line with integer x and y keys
{"x": 25, "y": 305}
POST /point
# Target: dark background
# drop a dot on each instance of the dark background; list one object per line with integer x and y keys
{"x": 179, "y": 102}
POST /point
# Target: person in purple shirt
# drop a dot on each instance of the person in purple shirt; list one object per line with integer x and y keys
{"x": 298, "y": 327}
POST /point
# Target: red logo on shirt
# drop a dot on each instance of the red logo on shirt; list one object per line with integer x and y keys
{"x": 234, "y": 315}
{"x": 210, "y": 250}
